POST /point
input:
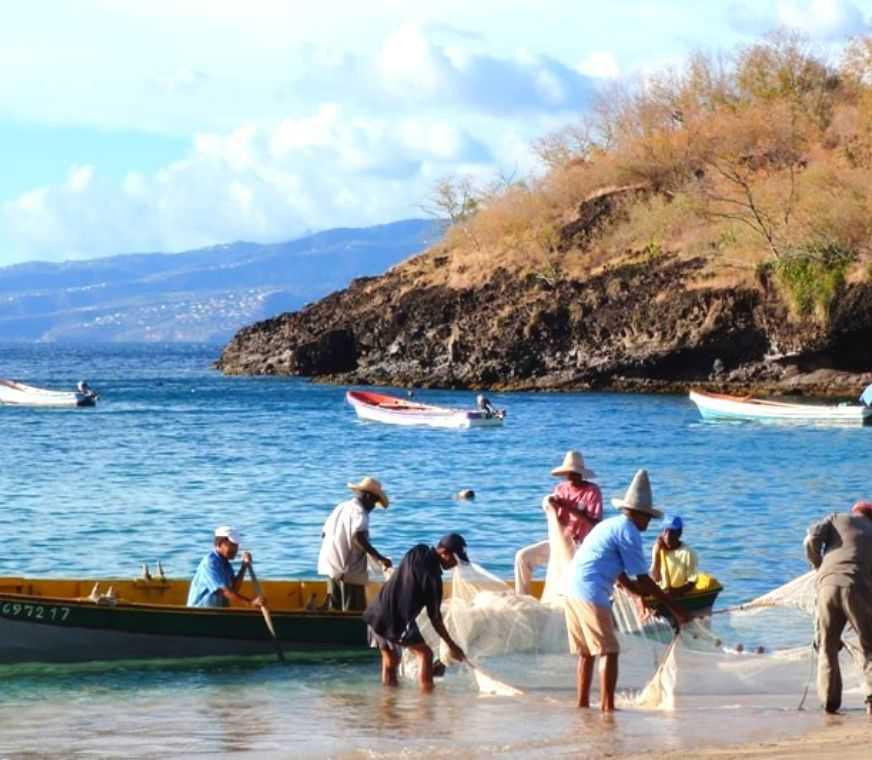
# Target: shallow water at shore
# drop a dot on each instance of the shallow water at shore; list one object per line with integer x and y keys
{"x": 340, "y": 711}
{"x": 174, "y": 448}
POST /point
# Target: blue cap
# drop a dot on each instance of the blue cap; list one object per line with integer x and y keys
{"x": 672, "y": 522}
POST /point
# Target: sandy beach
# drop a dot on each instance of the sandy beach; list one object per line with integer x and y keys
{"x": 841, "y": 737}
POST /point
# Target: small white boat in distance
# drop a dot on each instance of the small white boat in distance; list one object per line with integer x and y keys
{"x": 19, "y": 394}
{"x": 397, "y": 411}
{"x": 717, "y": 406}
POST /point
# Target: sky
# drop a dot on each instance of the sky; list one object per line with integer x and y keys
{"x": 131, "y": 126}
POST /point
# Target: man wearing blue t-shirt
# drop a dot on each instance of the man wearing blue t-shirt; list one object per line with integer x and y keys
{"x": 611, "y": 552}
{"x": 214, "y": 584}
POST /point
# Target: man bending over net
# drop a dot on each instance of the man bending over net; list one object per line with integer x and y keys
{"x": 416, "y": 584}
{"x": 840, "y": 548}
{"x": 611, "y": 552}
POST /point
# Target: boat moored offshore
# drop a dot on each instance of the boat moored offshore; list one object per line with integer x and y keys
{"x": 717, "y": 406}
{"x": 379, "y": 407}
{"x": 18, "y": 394}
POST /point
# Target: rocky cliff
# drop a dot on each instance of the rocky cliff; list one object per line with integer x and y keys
{"x": 646, "y": 325}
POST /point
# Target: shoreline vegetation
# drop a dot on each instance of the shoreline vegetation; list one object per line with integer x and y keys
{"x": 709, "y": 227}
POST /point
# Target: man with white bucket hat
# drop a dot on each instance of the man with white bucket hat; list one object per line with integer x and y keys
{"x": 345, "y": 546}
{"x": 578, "y": 505}
{"x": 611, "y": 552}
{"x": 214, "y": 584}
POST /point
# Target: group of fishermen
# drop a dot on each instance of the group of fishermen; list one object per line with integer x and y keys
{"x": 604, "y": 553}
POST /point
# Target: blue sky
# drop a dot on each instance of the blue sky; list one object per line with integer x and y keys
{"x": 165, "y": 125}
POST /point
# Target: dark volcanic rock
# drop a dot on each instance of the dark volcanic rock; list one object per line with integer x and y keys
{"x": 637, "y": 327}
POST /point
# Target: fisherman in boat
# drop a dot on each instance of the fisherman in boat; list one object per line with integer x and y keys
{"x": 578, "y": 504}
{"x": 840, "y": 549}
{"x": 483, "y": 404}
{"x": 416, "y": 584}
{"x": 673, "y": 562}
{"x": 612, "y": 552}
{"x": 214, "y": 584}
{"x": 866, "y": 396}
{"x": 345, "y": 546}
{"x": 86, "y": 390}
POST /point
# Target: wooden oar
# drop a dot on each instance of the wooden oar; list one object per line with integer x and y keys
{"x": 264, "y": 610}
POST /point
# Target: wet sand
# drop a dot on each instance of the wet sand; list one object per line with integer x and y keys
{"x": 841, "y": 737}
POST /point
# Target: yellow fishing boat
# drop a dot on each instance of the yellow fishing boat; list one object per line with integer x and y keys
{"x": 79, "y": 620}
{"x": 88, "y": 619}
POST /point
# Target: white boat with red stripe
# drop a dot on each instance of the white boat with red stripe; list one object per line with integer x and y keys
{"x": 379, "y": 407}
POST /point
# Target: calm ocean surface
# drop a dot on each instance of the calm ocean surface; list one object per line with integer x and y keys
{"x": 174, "y": 448}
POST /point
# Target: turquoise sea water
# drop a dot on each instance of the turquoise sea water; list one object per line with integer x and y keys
{"x": 174, "y": 448}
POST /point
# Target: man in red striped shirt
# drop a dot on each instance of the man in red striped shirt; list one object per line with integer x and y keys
{"x": 578, "y": 504}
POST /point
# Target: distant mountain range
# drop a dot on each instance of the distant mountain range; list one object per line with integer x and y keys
{"x": 201, "y": 295}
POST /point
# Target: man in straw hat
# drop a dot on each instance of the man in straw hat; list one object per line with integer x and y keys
{"x": 840, "y": 548}
{"x": 415, "y": 585}
{"x": 345, "y": 546}
{"x": 578, "y": 504}
{"x": 214, "y": 584}
{"x": 611, "y": 552}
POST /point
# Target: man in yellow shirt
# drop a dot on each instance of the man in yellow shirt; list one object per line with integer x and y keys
{"x": 673, "y": 563}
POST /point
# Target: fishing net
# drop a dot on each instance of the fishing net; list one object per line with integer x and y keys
{"x": 756, "y": 653}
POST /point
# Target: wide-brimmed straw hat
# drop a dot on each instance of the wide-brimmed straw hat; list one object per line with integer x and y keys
{"x": 639, "y": 497}
{"x": 573, "y": 461}
{"x": 372, "y": 486}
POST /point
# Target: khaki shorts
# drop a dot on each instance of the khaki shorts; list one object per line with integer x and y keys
{"x": 590, "y": 628}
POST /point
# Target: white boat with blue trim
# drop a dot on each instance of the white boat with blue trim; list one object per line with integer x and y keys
{"x": 717, "y": 406}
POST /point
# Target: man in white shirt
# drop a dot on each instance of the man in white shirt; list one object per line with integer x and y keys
{"x": 345, "y": 546}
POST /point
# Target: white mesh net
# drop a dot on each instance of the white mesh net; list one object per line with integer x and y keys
{"x": 755, "y": 653}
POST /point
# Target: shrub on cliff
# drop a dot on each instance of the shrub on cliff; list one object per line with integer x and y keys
{"x": 811, "y": 279}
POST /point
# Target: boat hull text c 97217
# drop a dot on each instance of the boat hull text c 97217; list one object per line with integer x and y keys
{"x": 54, "y": 620}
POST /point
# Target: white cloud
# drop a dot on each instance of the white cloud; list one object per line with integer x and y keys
{"x": 600, "y": 65}
{"x": 185, "y": 81}
{"x": 408, "y": 59}
{"x": 80, "y": 178}
{"x": 296, "y": 134}
{"x": 254, "y": 184}
{"x": 823, "y": 19}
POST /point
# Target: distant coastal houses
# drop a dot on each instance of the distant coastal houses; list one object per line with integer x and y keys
{"x": 203, "y": 295}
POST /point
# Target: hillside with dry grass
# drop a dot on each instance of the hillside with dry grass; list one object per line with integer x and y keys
{"x": 763, "y": 160}
{"x": 710, "y": 225}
